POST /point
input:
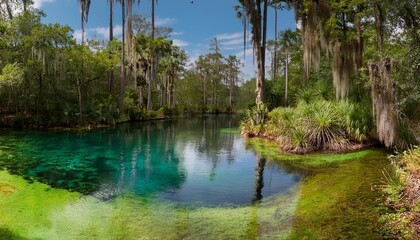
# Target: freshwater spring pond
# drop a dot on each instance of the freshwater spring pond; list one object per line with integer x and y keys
{"x": 188, "y": 178}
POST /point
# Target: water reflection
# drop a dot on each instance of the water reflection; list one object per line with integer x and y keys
{"x": 259, "y": 178}
{"x": 191, "y": 160}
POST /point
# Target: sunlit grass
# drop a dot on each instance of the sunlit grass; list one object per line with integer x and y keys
{"x": 40, "y": 212}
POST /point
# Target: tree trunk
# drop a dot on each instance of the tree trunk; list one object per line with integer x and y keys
{"x": 79, "y": 97}
{"x": 384, "y": 103}
{"x": 253, "y": 11}
{"x": 358, "y": 56}
{"x": 129, "y": 28}
{"x": 379, "y": 25}
{"x": 152, "y": 75}
{"x": 204, "y": 91}
{"x": 230, "y": 91}
{"x": 275, "y": 45}
{"x": 111, "y": 37}
{"x": 286, "y": 100}
{"x": 121, "y": 105}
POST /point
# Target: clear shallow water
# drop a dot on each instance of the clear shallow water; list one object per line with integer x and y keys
{"x": 193, "y": 160}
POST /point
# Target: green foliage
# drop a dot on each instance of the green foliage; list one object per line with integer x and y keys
{"x": 12, "y": 74}
{"x": 254, "y": 120}
{"x": 257, "y": 115}
{"x": 402, "y": 206}
{"x": 406, "y": 136}
{"x": 319, "y": 125}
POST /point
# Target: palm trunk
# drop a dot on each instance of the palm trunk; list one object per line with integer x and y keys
{"x": 275, "y": 45}
{"x": 152, "y": 75}
{"x": 122, "y": 57}
{"x": 111, "y": 37}
{"x": 286, "y": 100}
{"x": 254, "y": 14}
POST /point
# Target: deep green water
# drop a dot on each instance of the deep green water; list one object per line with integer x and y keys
{"x": 191, "y": 178}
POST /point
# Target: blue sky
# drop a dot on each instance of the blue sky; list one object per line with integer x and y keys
{"x": 194, "y": 25}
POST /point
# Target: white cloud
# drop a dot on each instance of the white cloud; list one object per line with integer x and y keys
{"x": 78, "y": 35}
{"x": 180, "y": 43}
{"x": 248, "y": 68}
{"x": 237, "y": 41}
{"x": 117, "y": 30}
{"x": 164, "y": 21}
{"x": 233, "y": 47}
{"x": 101, "y": 32}
{"x": 177, "y": 33}
{"x": 228, "y": 36}
{"x": 191, "y": 60}
{"x": 39, "y": 3}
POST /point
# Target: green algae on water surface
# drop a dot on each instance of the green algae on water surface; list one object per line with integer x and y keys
{"x": 270, "y": 149}
{"x": 230, "y": 130}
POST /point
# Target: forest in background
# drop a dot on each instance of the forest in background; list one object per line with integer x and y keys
{"x": 364, "y": 52}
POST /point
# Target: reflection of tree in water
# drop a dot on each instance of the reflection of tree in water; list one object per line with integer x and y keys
{"x": 259, "y": 178}
{"x": 147, "y": 161}
{"x": 209, "y": 141}
{"x": 130, "y": 156}
{"x": 294, "y": 166}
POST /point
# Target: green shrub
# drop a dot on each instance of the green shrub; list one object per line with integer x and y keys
{"x": 324, "y": 126}
{"x": 402, "y": 207}
{"x": 255, "y": 119}
{"x": 406, "y": 137}
{"x": 307, "y": 96}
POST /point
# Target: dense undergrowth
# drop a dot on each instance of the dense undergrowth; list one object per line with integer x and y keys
{"x": 401, "y": 219}
{"x": 311, "y": 126}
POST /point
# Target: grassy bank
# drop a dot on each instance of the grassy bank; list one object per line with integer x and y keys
{"x": 401, "y": 217}
{"x": 312, "y": 126}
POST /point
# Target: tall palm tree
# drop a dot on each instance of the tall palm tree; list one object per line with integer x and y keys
{"x": 122, "y": 83}
{"x": 153, "y": 67}
{"x": 123, "y": 15}
{"x": 287, "y": 40}
{"x": 257, "y": 18}
{"x": 111, "y": 37}
{"x": 84, "y": 13}
{"x": 276, "y": 7}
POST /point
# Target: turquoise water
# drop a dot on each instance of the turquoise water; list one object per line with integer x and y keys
{"x": 188, "y": 160}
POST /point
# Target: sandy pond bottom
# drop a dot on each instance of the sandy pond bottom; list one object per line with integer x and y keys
{"x": 337, "y": 199}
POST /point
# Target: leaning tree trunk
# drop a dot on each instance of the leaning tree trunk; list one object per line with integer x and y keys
{"x": 384, "y": 103}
